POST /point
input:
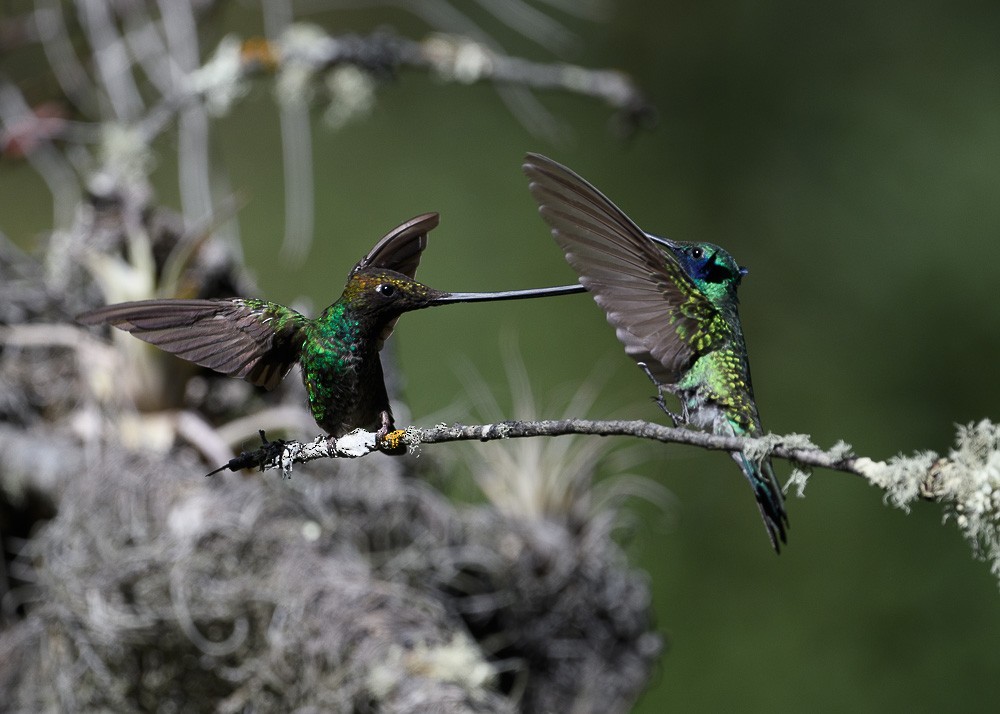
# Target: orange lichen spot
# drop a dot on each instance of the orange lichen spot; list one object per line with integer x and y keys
{"x": 393, "y": 441}
{"x": 259, "y": 53}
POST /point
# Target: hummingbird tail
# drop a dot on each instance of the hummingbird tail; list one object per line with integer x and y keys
{"x": 767, "y": 491}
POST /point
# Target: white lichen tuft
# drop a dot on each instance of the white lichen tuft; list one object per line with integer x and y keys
{"x": 304, "y": 49}
{"x": 126, "y": 157}
{"x": 758, "y": 449}
{"x": 411, "y": 437}
{"x": 458, "y": 59}
{"x": 221, "y": 80}
{"x": 798, "y": 480}
{"x": 839, "y": 451}
{"x": 969, "y": 481}
{"x": 352, "y": 96}
{"x": 966, "y": 482}
{"x": 306, "y": 43}
{"x": 458, "y": 661}
{"x": 356, "y": 443}
{"x": 900, "y": 477}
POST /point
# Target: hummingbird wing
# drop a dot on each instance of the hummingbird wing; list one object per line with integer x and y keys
{"x": 401, "y": 247}
{"x": 658, "y": 313}
{"x": 256, "y": 340}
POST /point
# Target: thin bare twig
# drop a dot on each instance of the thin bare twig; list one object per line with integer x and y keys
{"x": 794, "y": 448}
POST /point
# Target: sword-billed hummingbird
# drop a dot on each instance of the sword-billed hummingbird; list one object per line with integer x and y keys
{"x": 338, "y": 351}
{"x": 673, "y": 305}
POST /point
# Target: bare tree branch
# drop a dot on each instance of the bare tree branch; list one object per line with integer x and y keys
{"x": 794, "y": 447}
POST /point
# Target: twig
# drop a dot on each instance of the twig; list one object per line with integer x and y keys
{"x": 453, "y": 59}
{"x": 794, "y": 448}
{"x": 790, "y": 448}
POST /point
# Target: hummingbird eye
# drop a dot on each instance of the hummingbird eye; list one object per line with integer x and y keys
{"x": 697, "y": 253}
{"x": 385, "y": 289}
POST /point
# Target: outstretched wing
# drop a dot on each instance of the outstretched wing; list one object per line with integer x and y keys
{"x": 256, "y": 340}
{"x": 401, "y": 247}
{"x": 658, "y": 313}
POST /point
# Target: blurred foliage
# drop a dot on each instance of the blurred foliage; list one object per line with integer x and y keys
{"x": 847, "y": 154}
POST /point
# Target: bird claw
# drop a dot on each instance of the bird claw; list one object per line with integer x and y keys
{"x": 386, "y": 425}
{"x": 677, "y": 419}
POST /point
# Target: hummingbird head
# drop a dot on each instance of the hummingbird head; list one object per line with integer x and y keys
{"x": 386, "y": 293}
{"x": 713, "y": 270}
{"x": 373, "y": 300}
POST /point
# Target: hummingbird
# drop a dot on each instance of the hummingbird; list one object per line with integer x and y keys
{"x": 338, "y": 351}
{"x": 673, "y": 305}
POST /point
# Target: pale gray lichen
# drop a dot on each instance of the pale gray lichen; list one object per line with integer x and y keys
{"x": 798, "y": 479}
{"x": 356, "y": 443}
{"x": 757, "y": 449}
{"x": 969, "y": 482}
{"x": 412, "y": 438}
{"x": 966, "y": 482}
{"x": 899, "y": 477}
{"x": 352, "y": 96}
{"x": 303, "y": 50}
{"x": 458, "y": 59}
{"x": 221, "y": 80}
{"x": 839, "y": 451}
{"x": 125, "y": 155}
{"x": 458, "y": 661}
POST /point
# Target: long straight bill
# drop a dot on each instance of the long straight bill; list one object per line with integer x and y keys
{"x": 511, "y": 294}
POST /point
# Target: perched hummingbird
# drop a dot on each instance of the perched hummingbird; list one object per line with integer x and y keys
{"x": 673, "y": 305}
{"x": 338, "y": 351}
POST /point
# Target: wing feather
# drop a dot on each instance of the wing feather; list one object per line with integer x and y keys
{"x": 400, "y": 249}
{"x": 252, "y": 339}
{"x": 647, "y": 296}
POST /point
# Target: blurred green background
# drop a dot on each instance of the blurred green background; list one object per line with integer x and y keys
{"x": 849, "y": 154}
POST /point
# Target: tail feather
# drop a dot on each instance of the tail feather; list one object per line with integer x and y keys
{"x": 767, "y": 491}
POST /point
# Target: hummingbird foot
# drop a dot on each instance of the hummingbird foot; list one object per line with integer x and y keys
{"x": 386, "y": 425}
{"x": 677, "y": 419}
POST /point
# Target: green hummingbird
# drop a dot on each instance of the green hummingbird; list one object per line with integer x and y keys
{"x": 673, "y": 305}
{"x": 259, "y": 341}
